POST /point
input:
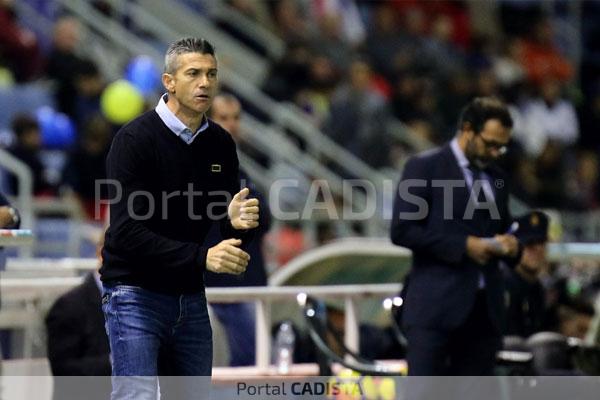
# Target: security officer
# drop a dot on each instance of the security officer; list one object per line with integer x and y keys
{"x": 525, "y": 295}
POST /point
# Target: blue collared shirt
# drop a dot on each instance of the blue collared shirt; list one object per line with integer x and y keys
{"x": 175, "y": 124}
{"x": 463, "y": 163}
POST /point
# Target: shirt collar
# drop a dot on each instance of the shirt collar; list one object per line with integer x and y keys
{"x": 463, "y": 162}
{"x": 174, "y": 124}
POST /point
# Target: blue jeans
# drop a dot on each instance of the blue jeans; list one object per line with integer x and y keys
{"x": 239, "y": 322}
{"x": 153, "y": 334}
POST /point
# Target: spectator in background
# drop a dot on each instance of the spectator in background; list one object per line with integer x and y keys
{"x": 64, "y": 63}
{"x": 76, "y": 339}
{"x": 227, "y": 112}
{"x": 583, "y": 190}
{"x": 86, "y": 164}
{"x": 590, "y": 119}
{"x": 330, "y": 42}
{"x": 554, "y": 116}
{"x": 27, "y": 148}
{"x": 238, "y": 319}
{"x": 255, "y": 11}
{"x": 315, "y": 98}
{"x": 290, "y": 21}
{"x": 575, "y": 319}
{"x": 486, "y": 83}
{"x": 506, "y": 64}
{"x": 350, "y": 26}
{"x": 358, "y": 117}
{"x": 19, "y": 49}
{"x": 289, "y": 74}
{"x": 541, "y": 58}
{"x": 447, "y": 57}
{"x": 9, "y": 219}
{"x": 384, "y": 38}
{"x": 524, "y": 293}
{"x": 89, "y": 85}
{"x": 550, "y": 169}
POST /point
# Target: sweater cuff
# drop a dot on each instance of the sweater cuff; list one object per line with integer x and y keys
{"x": 460, "y": 253}
{"x": 201, "y": 258}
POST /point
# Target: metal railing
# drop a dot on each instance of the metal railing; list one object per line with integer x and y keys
{"x": 32, "y": 293}
{"x": 29, "y": 296}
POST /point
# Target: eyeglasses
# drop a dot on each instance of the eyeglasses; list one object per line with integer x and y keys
{"x": 491, "y": 145}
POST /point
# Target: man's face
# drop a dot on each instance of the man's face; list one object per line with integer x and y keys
{"x": 534, "y": 259}
{"x": 194, "y": 83}
{"x": 489, "y": 144}
{"x": 226, "y": 112}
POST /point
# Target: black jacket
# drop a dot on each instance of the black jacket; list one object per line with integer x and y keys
{"x": 77, "y": 340}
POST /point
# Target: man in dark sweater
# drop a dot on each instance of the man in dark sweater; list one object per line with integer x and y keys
{"x": 172, "y": 173}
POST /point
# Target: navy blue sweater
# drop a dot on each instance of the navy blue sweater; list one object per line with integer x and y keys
{"x": 166, "y": 195}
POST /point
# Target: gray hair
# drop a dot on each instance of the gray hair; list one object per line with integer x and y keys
{"x": 186, "y": 45}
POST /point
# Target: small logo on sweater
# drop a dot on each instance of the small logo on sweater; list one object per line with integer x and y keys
{"x": 215, "y": 168}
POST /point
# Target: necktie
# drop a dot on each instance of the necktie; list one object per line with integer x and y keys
{"x": 478, "y": 177}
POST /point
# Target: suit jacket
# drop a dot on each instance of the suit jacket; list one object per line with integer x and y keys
{"x": 444, "y": 280}
{"x": 77, "y": 341}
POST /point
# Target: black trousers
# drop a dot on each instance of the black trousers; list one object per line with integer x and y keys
{"x": 469, "y": 350}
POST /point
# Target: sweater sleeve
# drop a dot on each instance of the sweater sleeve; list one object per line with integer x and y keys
{"x": 233, "y": 187}
{"x": 126, "y": 164}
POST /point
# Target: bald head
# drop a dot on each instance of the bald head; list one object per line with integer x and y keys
{"x": 226, "y": 111}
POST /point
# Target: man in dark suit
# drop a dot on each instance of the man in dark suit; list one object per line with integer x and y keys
{"x": 451, "y": 210}
{"x": 77, "y": 341}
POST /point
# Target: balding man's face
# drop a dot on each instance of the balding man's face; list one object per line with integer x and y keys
{"x": 227, "y": 114}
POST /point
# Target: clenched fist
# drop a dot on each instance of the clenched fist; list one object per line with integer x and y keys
{"x": 243, "y": 213}
{"x": 227, "y": 258}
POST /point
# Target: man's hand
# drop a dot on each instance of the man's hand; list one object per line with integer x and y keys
{"x": 479, "y": 249}
{"x": 509, "y": 245}
{"x": 227, "y": 258}
{"x": 243, "y": 213}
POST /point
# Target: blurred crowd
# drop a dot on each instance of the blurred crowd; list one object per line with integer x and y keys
{"x": 65, "y": 143}
{"x": 381, "y": 78}
{"x": 358, "y": 67}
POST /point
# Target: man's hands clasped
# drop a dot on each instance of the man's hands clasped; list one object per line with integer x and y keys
{"x": 481, "y": 250}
